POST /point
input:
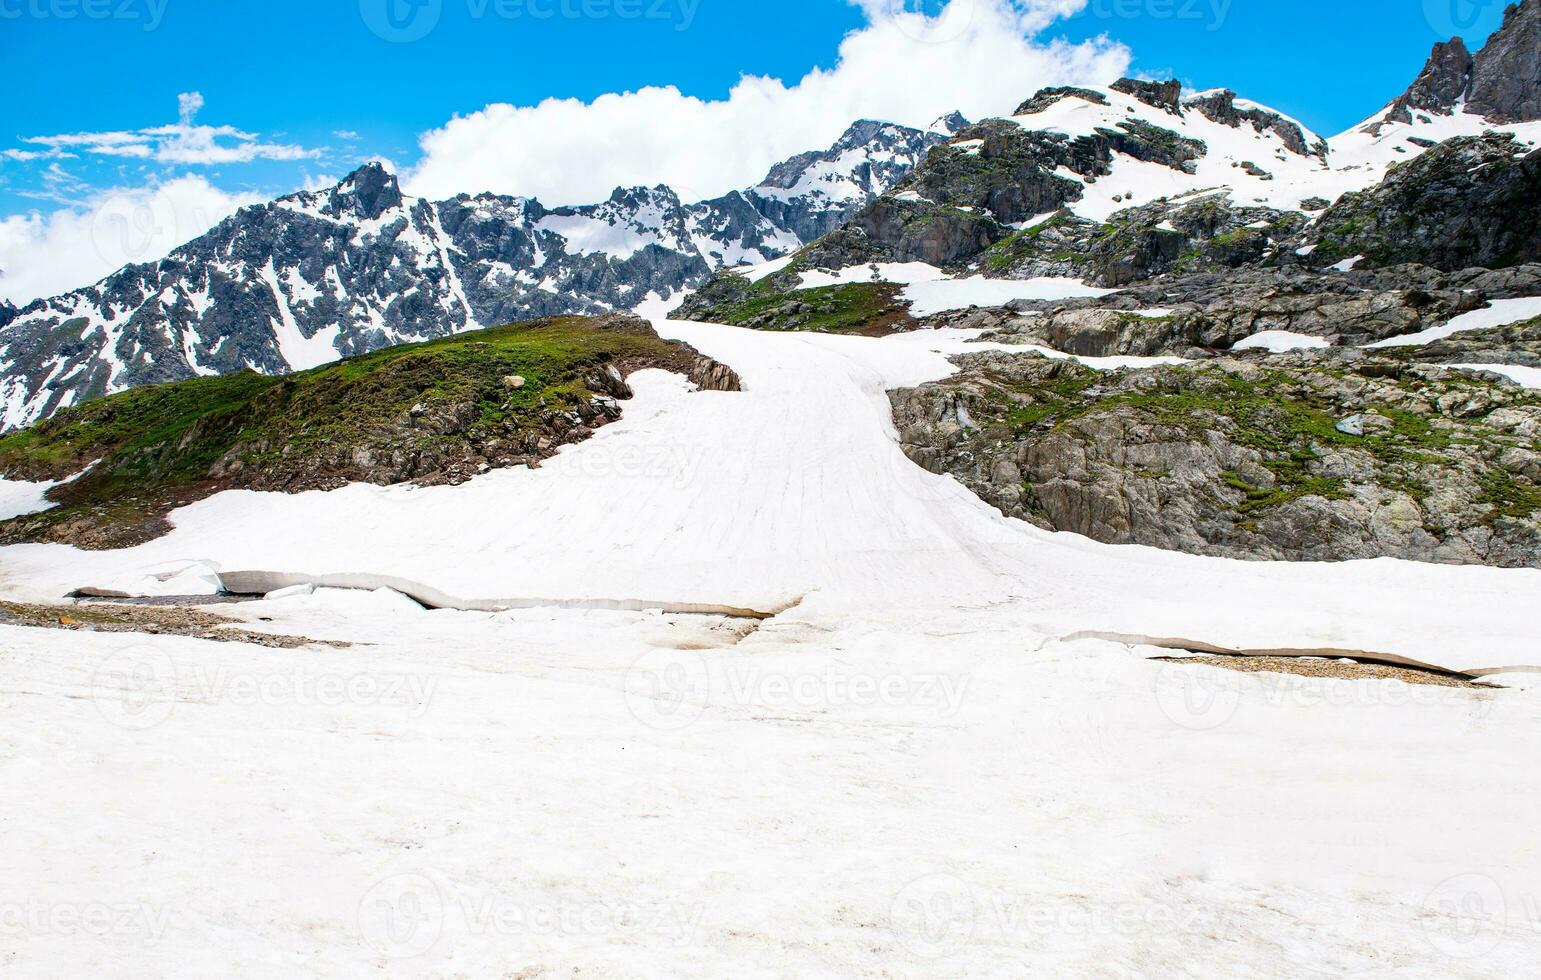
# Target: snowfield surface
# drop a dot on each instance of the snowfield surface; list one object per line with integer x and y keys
{"x": 18, "y": 497}
{"x": 1528, "y": 377}
{"x": 930, "y": 762}
{"x": 1498, "y": 313}
{"x": 1280, "y": 342}
{"x": 940, "y": 295}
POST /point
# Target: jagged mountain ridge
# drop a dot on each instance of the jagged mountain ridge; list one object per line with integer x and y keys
{"x": 1096, "y": 183}
{"x": 1500, "y": 84}
{"x": 360, "y": 266}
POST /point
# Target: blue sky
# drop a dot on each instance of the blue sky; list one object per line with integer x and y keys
{"x": 309, "y": 88}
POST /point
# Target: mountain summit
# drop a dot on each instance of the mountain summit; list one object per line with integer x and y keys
{"x": 1501, "y": 83}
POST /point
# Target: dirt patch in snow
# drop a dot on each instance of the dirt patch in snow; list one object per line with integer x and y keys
{"x": 156, "y": 620}
{"x": 1343, "y": 669}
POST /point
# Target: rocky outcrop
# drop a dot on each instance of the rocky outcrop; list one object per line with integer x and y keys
{"x": 7, "y": 313}
{"x": 1209, "y": 312}
{"x": 1044, "y": 98}
{"x": 1501, "y": 83}
{"x": 1304, "y": 458}
{"x": 1506, "y": 74}
{"x": 1471, "y": 201}
{"x": 1160, "y": 95}
{"x": 1220, "y": 106}
{"x": 1442, "y": 84}
{"x": 967, "y": 193}
{"x": 1517, "y": 343}
{"x": 1146, "y": 241}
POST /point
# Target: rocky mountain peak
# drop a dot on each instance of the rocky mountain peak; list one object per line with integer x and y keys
{"x": 367, "y": 193}
{"x": 952, "y": 124}
{"x": 1506, "y": 74}
{"x": 1440, "y": 87}
{"x": 1501, "y": 83}
{"x": 1044, "y": 98}
{"x": 7, "y": 312}
{"x": 1159, "y": 95}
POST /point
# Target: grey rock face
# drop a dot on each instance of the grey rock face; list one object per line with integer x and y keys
{"x": 1444, "y": 81}
{"x": 1506, "y": 75}
{"x": 1501, "y": 83}
{"x": 1221, "y": 107}
{"x": 1470, "y": 201}
{"x": 360, "y": 266}
{"x": 1243, "y": 460}
{"x": 1161, "y": 95}
{"x": 1149, "y": 240}
{"x": 1047, "y": 97}
{"x": 960, "y": 201}
{"x": 1209, "y": 312}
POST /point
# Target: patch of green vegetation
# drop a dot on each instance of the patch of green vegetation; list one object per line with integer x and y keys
{"x": 1286, "y": 422}
{"x": 1507, "y": 498}
{"x": 847, "y": 308}
{"x": 160, "y": 443}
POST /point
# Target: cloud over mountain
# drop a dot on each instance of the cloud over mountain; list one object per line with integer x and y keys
{"x": 978, "y": 56}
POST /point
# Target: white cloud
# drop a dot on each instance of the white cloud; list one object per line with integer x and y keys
{"x": 982, "y": 57}
{"x": 43, "y": 255}
{"x": 181, "y": 143}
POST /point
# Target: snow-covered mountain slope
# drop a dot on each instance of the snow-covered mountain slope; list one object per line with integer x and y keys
{"x": 360, "y": 266}
{"x": 795, "y": 491}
